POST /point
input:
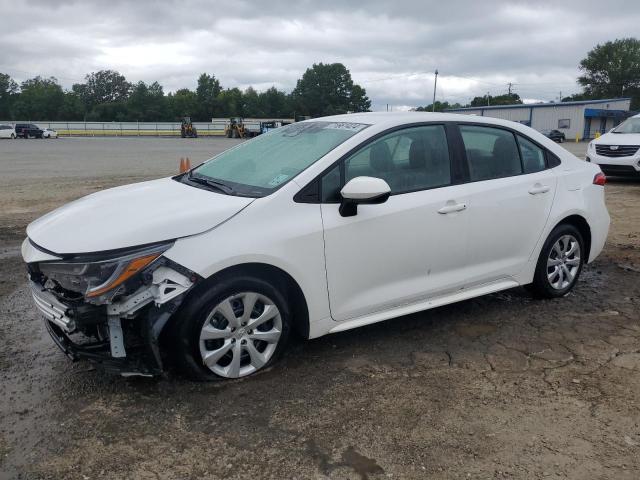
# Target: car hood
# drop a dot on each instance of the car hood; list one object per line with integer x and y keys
{"x": 618, "y": 139}
{"x": 133, "y": 215}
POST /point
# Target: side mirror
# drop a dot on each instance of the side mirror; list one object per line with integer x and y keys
{"x": 365, "y": 191}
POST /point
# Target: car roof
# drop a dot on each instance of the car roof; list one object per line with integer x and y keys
{"x": 392, "y": 119}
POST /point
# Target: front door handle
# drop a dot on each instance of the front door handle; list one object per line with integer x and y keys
{"x": 539, "y": 188}
{"x": 452, "y": 207}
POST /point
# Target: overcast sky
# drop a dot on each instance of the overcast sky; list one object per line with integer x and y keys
{"x": 390, "y": 47}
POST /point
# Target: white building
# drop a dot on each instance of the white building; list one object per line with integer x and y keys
{"x": 582, "y": 118}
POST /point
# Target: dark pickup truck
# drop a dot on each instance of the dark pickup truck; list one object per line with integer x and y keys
{"x": 26, "y": 130}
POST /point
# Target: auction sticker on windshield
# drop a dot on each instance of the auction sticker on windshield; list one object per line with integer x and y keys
{"x": 354, "y": 127}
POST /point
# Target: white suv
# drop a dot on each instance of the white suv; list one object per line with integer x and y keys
{"x": 320, "y": 226}
{"x": 618, "y": 151}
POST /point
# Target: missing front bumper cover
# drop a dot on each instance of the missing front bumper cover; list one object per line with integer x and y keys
{"x": 127, "y": 330}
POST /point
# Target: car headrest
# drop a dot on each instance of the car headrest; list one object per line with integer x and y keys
{"x": 380, "y": 157}
{"x": 504, "y": 148}
{"x": 417, "y": 154}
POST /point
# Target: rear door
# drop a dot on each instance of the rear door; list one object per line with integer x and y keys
{"x": 511, "y": 192}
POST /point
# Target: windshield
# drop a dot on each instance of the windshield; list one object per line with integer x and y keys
{"x": 264, "y": 164}
{"x": 630, "y": 125}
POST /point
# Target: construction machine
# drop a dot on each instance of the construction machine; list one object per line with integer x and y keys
{"x": 187, "y": 130}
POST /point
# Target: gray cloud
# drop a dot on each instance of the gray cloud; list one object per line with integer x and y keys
{"x": 391, "y": 48}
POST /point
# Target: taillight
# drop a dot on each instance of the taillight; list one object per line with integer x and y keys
{"x": 600, "y": 179}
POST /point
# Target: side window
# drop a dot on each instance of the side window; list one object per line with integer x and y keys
{"x": 491, "y": 152}
{"x": 532, "y": 156}
{"x": 408, "y": 160}
{"x": 330, "y": 185}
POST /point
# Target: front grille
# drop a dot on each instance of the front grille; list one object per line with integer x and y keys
{"x": 617, "y": 151}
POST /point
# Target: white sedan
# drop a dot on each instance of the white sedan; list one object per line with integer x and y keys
{"x": 7, "y": 131}
{"x": 320, "y": 226}
{"x": 49, "y": 133}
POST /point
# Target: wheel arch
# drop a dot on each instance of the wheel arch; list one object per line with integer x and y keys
{"x": 272, "y": 274}
{"x": 579, "y": 222}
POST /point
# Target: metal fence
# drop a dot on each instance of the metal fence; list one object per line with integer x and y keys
{"x": 124, "y": 129}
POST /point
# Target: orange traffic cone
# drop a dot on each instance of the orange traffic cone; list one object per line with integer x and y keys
{"x": 182, "y": 168}
{"x": 187, "y": 164}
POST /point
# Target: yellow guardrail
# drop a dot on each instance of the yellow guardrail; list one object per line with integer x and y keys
{"x": 134, "y": 133}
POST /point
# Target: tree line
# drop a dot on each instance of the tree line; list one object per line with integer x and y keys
{"x": 610, "y": 70}
{"x": 106, "y": 95}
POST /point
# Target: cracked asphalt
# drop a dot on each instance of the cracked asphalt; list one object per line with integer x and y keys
{"x": 502, "y": 386}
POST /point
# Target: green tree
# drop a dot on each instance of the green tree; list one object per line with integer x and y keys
{"x": 613, "y": 70}
{"x": 327, "y": 89}
{"x": 207, "y": 93}
{"x": 40, "y": 98}
{"x": 72, "y": 107}
{"x": 182, "y": 103}
{"x": 506, "y": 99}
{"x": 8, "y": 91}
{"x": 230, "y": 103}
{"x": 104, "y": 86}
{"x": 440, "y": 107}
{"x": 275, "y": 103}
{"x": 251, "y": 106}
{"x": 147, "y": 103}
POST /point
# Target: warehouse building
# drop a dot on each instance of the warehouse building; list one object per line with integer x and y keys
{"x": 582, "y": 118}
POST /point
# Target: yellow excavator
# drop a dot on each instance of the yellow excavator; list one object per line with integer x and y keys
{"x": 187, "y": 130}
{"x": 235, "y": 128}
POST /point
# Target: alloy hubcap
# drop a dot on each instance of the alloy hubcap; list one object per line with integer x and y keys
{"x": 563, "y": 262}
{"x": 240, "y": 335}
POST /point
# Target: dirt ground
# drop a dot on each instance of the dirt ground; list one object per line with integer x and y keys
{"x": 501, "y": 386}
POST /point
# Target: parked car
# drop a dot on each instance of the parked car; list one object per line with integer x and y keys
{"x": 26, "y": 130}
{"x": 7, "y": 131}
{"x": 555, "y": 135}
{"x": 319, "y": 227}
{"x": 618, "y": 151}
{"x": 49, "y": 133}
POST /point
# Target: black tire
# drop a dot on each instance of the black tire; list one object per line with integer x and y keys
{"x": 13, "y": 136}
{"x": 542, "y": 286}
{"x": 192, "y": 315}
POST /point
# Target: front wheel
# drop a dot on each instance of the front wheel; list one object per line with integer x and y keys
{"x": 13, "y": 136}
{"x": 238, "y": 327}
{"x": 560, "y": 262}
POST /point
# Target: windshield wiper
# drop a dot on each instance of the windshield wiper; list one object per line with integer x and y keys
{"x": 223, "y": 187}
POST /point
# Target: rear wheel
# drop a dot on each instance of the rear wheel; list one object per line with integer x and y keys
{"x": 560, "y": 262}
{"x": 238, "y": 327}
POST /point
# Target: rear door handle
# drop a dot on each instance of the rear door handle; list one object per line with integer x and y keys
{"x": 539, "y": 188}
{"x": 452, "y": 207}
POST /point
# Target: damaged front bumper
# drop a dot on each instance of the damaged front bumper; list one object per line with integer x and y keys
{"x": 122, "y": 336}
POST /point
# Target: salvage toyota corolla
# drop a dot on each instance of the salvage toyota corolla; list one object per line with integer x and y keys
{"x": 318, "y": 227}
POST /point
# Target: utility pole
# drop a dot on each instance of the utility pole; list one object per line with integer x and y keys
{"x": 510, "y": 85}
{"x": 560, "y": 97}
{"x": 435, "y": 83}
{"x": 488, "y": 99}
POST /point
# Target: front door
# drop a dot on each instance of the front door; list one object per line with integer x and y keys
{"x": 409, "y": 248}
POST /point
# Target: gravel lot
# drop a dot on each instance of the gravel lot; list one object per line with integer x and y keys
{"x": 498, "y": 387}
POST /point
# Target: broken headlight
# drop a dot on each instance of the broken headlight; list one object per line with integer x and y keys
{"x": 95, "y": 278}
